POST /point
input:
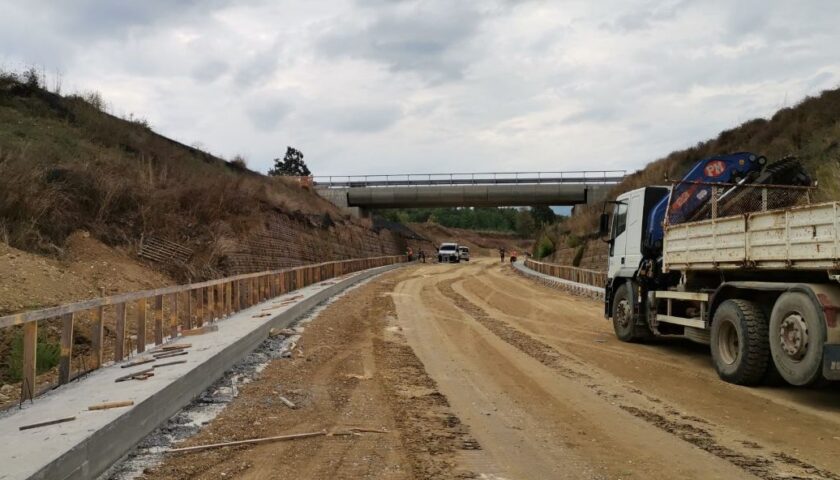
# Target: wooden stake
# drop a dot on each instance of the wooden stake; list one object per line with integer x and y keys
{"x": 158, "y": 319}
{"x": 141, "y": 325}
{"x": 30, "y": 347}
{"x": 107, "y": 405}
{"x": 98, "y": 334}
{"x": 250, "y": 441}
{"x": 44, "y": 424}
{"x": 64, "y": 364}
{"x": 119, "y": 342}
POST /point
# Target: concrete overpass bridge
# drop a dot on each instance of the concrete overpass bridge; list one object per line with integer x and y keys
{"x": 359, "y": 193}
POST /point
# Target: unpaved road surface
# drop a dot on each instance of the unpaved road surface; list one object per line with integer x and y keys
{"x": 476, "y": 372}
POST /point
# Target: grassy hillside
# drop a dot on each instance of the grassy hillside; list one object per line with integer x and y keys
{"x": 809, "y": 131}
{"x": 67, "y": 165}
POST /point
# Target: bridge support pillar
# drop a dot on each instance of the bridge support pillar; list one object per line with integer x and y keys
{"x": 338, "y": 197}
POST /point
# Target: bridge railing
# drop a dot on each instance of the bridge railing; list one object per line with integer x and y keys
{"x": 574, "y": 274}
{"x": 172, "y": 310}
{"x": 475, "y": 178}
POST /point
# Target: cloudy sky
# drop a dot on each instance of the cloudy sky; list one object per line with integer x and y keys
{"x": 377, "y": 86}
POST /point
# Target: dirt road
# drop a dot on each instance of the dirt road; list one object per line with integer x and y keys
{"x": 476, "y": 372}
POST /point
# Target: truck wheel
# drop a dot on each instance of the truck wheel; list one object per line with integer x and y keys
{"x": 740, "y": 350}
{"x": 624, "y": 317}
{"x": 797, "y": 336}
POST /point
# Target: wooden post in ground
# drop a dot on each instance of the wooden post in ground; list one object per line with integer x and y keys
{"x": 173, "y": 315}
{"x": 158, "y": 319}
{"x": 98, "y": 335}
{"x": 66, "y": 359}
{"x": 119, "y": 342}
{"x": 229, "y": 297}
{"x": 188, "y": 323}
{"x": 141, "y": 325}
{"x": 30, "y": 347}
{"x": 210, "y": 313}
{"x": 199, "y": 308}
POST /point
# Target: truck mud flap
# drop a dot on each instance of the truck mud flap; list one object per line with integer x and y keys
{"x": 831, "y": 362}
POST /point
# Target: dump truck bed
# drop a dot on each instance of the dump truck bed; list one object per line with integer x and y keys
{"x": 804, "y": 238}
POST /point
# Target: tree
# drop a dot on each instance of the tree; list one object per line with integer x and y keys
{"x": 525, "y": 225}
{"x": 543, "y": 214}
{"x": 292, "y": 165}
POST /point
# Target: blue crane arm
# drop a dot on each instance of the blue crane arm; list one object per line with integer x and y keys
{"x": 687, "y": 197}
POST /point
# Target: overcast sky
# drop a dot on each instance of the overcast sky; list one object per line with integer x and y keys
{"x": 375, "y": 86}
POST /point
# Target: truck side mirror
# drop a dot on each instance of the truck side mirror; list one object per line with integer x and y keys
{"x": 604, "y": 224}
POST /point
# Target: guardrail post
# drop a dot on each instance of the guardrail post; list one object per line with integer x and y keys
{"x": 141, "y": 325}
{"x": 65, "y": 362}
{"x": 209, "y": 313}
{"x": 119, "y": 342}
{"x": 30, "y": 347}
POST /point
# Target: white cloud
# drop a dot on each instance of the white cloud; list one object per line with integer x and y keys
{"x": 380, "y": 86}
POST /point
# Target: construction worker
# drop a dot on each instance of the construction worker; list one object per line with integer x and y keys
{"x": 422, "y": 255}
{"x": 410, "y": 254}
{"x": 502, "y": 254}
{"x": 513, "y": 256}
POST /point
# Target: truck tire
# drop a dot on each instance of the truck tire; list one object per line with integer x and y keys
{"x": 797, "y": 337}
{"x": 740, "y": 350}
{"x": 625, "y": 321}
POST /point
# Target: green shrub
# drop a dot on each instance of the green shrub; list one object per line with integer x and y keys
{"x": 47, "y": 355}
{"x": 544, "y": 247}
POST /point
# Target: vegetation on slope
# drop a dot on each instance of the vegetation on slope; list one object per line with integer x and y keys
{"x": 809, "y": 131}
{"x": 523, "y": 222}
{"x": 67, "y": 165}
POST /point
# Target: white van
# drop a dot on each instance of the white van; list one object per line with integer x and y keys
{"x": 464, "y": 253}
{"x": 448, "y": 252}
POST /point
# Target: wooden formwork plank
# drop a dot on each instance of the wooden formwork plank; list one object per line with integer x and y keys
{"x": 66, "y": 360}
{"x": 119, "y": 343}
{"x": 97, "y": 335}
{"x": 234, "y": 291}
{"x": 141, "y": 325}
{"x": 158, "y": 319}
{"x": 30, "y": 347}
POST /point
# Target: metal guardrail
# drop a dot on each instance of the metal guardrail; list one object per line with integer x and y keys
{"x": 595, "y": 278}
{"x": 479, "y": 178}
{"x": 189, "y": 306}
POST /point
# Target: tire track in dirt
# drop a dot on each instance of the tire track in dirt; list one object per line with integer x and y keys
{"x": 761, "y": 463}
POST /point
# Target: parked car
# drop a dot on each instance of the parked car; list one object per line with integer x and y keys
{"x": 464, "y": 253}
{"x": 448, "y": 252}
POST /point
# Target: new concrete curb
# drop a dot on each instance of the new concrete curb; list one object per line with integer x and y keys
{"x": 104, "y": 447}
{"x": 575, "y": 288}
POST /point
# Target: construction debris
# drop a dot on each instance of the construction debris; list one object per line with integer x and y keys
{"x": 179, "y": 346}
{"x": 107, "y": 405}
{"x": 141, "y": 373}
{"x": 174, "y": 353}
{"x": 139, "y": 361}
{"x": 200, "y": 330}
{"x": 44, "y": 424}
{"x": 288, "y": 402}
{"x": 295, "y": 436}
{"x": 261, "y": 315}
{"x": 286, "y": 332}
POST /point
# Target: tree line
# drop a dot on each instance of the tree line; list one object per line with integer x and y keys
{"x": 522, "y": 221}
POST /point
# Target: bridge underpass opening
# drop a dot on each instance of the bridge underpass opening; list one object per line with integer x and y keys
{"x": 358, "y": 194}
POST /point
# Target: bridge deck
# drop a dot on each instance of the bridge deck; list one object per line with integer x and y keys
{"x": 492, "y": 178}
